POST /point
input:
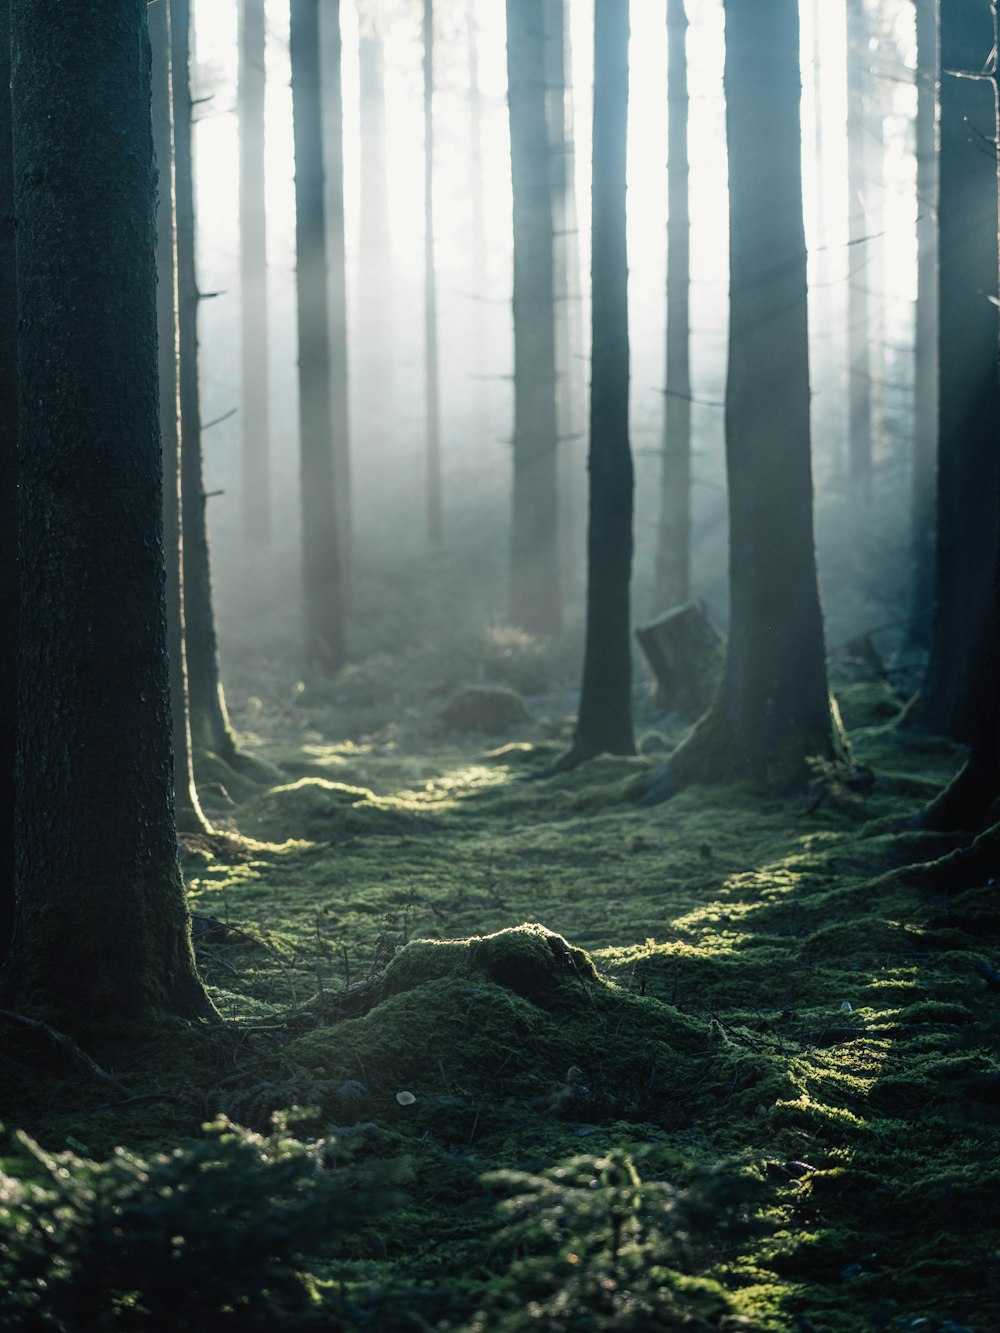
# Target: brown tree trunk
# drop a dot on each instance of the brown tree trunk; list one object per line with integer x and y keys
{"x": 478, "y": 263}
{"x": 255, "y": 396}
{"x": 969, "y": 395}
{"x": 102, "y": 931}
{"x": 432, "y": 377}
{"x": 605, "y": 720}
{"x": 673, "y": 555}
{"x": 535, "y": 601}
{"x": 8, "y": 492}
{"x": 321, "y": 563}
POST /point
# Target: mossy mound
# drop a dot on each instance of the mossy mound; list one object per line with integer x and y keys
{"x": 487, "y": 708}
{"x": 323, "y": 811}
{"x": 518, "y": 1026}
{"x": 869, "y": 703}
{"x": 529, "y": 960}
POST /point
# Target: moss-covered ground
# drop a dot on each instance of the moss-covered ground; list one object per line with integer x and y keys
{"x": 723, "y": 982}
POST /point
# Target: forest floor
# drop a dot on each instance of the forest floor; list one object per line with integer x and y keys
{"x": 755, "y": 1083}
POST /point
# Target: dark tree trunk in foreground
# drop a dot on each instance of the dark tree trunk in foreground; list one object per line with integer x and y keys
{"x": 102, "y": 928}
{"x": 924, "y": 482}
{"x": 333, "y": 146}
{"x": 188, "y": 813}
{"x": 859, "y": 430}
{"x": 432, "y": 378}
{"x": 209, "y": 722}
{"x": 969, "y": 397}
{"x": 972, "y": 800}
{"x": 773, "y": 709}
{"x": 534, "y": 547}
{"x": 322, "y": 573}
{"x": 673, "y": 554}
{"x": 8, "y": 492}
{"x": 374, "y": 344}
{"x": 255, "y": 401}
{"x": 605, "y": 721}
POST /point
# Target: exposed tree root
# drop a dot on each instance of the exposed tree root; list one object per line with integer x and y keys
{"x": 78, "y": 1057}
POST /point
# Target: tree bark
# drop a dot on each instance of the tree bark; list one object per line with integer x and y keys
{"x": 478, "y": 263}
{"x": 673, "y": 556}
{"x": 535, "y": 602}
{"x": 187, "y": 809}
{"x": 605, "y": 720}
{"x": 924, "y": 477}
{"x": 969, "y": 396}
{"x": 255, "y": 396}
{"x": 374, "y": 348}
{"x": 432, "y": 377}
{"x": 209, "y": 720}
{"x": 773, "y": 709}
{"x": 8, "y": 492}
{"x": 321, "y": 563}
{"x": 102, "y": 929}
{"x": 859, "y": 430}
{"x": 333, "y": 146}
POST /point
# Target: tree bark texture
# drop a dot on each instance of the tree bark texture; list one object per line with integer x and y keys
{"x": 969, "y": 396}
{"x": 925, "y": 442}
{"x": 209, "y": 723}
{"x": 333, "y": 146}
{"x": 187, "y": 810}
{"x": 535, "y": 602}
{"x": 773, "y": 708}
{"x": 605, "y": 720}
{"x": 432, "y": 375}
{"x": 321, "y": 563}
{"x": 102, "y": 927}
{"x": 774, "y": 693}
{"x": 673, "y": 554}
{"x": 255, "y": 396}
{"x": 972, "y": 800}
{"x": 859, "y": 429}
{"x": 8, "y": 492}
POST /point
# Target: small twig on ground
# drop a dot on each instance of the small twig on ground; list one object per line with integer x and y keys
{"x": 79, "y": 1057}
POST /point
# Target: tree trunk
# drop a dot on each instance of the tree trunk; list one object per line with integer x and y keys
{"x": 8, "y": 492}
{"x": 972, "y": 800}
{"x": 333, "y": 146}
{"x": 859, "y": 430}
{"x": 375, "y": 320}
{"x": 102, "y": 926}
{"x": 188, "y": 813}
{"x": 969, "y": 397}
{"x": 773, "y": 709}
{"x": 322, "y": 573}
{"x": 255, "y": 398}
{"x": 210, "y": 729}
{"x": 673, "y": 556}
{"x": 432, "y": 386}
{"x": 478, "y": 263}
{"x": 924, "y": 482}
{"x": 535, "y": 602}
{"x": 605, "y": 720}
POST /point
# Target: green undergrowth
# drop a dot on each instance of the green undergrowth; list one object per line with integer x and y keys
{"x": 746, "y": 1075}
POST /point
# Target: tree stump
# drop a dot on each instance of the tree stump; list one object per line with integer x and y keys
{"x": 686, "y": 653}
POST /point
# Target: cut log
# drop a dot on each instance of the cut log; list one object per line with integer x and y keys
{"x": 686, "y": 653}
